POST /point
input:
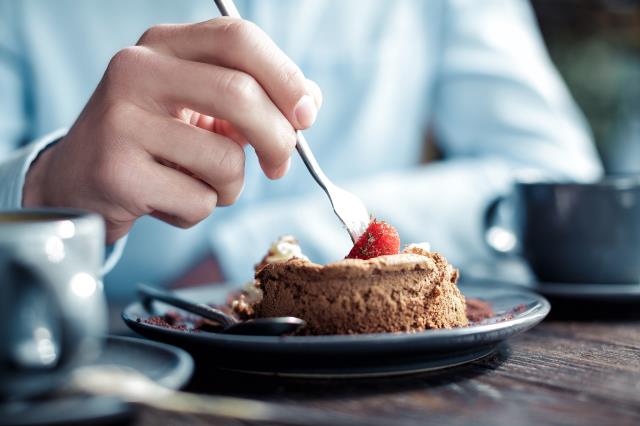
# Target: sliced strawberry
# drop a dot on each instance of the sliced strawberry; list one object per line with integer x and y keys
{"x": 379, "y": 239}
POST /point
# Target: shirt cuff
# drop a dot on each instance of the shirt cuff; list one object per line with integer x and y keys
{"x": 13, "y": 170}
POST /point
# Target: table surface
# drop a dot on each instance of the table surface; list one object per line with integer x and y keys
{"x": 564, "y": 371}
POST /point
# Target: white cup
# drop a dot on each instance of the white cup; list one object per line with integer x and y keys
{"x": 53, "y": 312}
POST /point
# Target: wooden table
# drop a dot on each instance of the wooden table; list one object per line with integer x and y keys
{"x": 561, "y": 372}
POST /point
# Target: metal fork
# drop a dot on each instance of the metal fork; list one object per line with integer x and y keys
{"x": 348, "y": 207}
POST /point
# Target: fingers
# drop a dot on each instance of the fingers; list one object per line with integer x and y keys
{"x": 230, "y": 95}
{"x": 241, "y": 45}
{"x": 313, "y": 87}
{"x": 213, "y": 158}
{"x": 219, "y": 126}
{"x": 116, "y": 229}
{"x": 176, "y": 198}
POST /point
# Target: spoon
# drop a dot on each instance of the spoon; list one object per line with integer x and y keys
{"x": 134, "y": 387}
{"x": 347, "y": 206}
{"x": 276, "y": 326}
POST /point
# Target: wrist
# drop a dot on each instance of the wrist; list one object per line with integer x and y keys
{"x": 33, "y": 192}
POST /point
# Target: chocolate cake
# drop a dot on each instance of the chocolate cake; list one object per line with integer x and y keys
{"x": 411, "y": 291}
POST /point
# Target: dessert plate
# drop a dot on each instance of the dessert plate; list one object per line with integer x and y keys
{"x": 164, "y": 364}
{"x": 350, "y": 355}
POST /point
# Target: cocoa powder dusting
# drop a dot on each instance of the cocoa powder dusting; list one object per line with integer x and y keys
{"x": 175, "y": 321}
{"x": 478, "y": 310}
{"x": 166, "y": 322}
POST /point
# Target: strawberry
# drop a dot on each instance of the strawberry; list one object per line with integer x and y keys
{"x": 379, "y": 239}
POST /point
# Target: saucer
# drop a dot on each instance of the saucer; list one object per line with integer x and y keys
{"x": 166, "y": 365}
{"x": 363, "y": 355}
{"x": 618, "y": 293}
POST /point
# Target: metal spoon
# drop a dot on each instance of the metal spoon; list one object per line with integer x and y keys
{"x": 276, "y": 326}
{"x": 134, "y": 387}
{"x": 347, "y": 206}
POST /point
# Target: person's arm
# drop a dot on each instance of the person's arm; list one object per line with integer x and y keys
{"x": 164, "y": 131}
{"x": 500, "y": 110}
{"x": 441, "y": 204}
{"x": 17, "y": 152}
{"x": 14, "y": 114}
{"x": 498, "y": 94}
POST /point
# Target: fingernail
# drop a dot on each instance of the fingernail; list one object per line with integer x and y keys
{"x": 305, "y": 112}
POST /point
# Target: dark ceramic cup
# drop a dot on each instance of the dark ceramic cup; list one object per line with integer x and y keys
{"x": 574, "y": 233}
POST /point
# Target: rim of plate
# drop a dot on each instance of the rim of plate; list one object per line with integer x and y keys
{"x": 531, "y": 316}
{"x": 179, "y": 375}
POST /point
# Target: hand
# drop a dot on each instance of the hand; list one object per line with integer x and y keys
{"x": 164, "y": 131}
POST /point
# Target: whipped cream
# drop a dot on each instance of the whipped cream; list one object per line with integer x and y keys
{"x": 417, "y": 248}
{"x": 283, "y": 249}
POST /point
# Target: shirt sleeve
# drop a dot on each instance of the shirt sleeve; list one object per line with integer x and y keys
{"x": 15, "y": 156}
{"x": 16, "y": 114}
{"x": 500, "y": 111}
{"x": 498, "y": 94}
{"x": 13, "y": 101}
{"x": 14, "y": 168}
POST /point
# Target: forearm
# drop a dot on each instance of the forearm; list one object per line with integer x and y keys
{"x": 442, "y": 203}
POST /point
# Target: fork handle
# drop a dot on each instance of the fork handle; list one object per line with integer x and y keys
{"x": 309, "y": 160}
{"x": 228, "y": 8}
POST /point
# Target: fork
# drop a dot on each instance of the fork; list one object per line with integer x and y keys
{"x": 348, "y": 207}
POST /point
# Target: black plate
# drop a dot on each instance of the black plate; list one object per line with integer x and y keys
{"x": 354, "y": 355}
{"x": 167, "y": 365}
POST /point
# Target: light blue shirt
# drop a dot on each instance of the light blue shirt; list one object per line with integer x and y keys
{"x": 473, "y": 72}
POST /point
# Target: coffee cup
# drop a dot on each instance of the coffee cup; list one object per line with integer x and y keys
{"x": 572, "y": 232}
{"x": 52, "y": 308}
